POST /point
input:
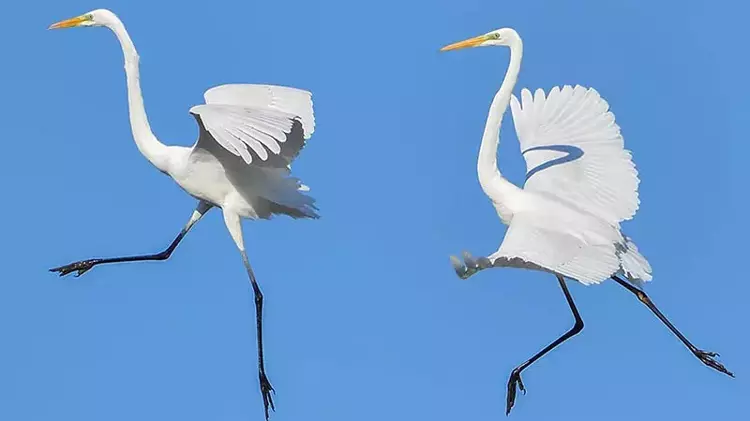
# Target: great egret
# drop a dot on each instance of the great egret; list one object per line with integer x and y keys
{"x": 580, "y": 184}
{"x": 249, "y": 135}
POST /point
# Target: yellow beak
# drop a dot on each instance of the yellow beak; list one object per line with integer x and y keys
{"x": 471, "y": 42}
{"x": 69, "y": 23}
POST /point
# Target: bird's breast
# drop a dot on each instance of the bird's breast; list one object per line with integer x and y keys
{"x": 204, "y": 178}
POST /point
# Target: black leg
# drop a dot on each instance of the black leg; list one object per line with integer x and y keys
{"x": 706, "y": 357}
{"x": 265, "y": 385}
{"x": 515, "y": 375}
{"x": 84, "y": 266}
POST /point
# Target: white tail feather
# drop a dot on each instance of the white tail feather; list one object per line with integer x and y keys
{"x": 633, "y": 265}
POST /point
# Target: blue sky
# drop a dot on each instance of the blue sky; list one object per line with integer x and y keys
{"x": 365, "y": 319}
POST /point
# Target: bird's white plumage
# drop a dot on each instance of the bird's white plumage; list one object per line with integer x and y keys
{"x": 581, "y": 182}
{"x": 253, "y": 133}
{"x": 603, "y": 181}
{"x": 244, "y": 130}
{"x": 633, "y": 265}
{"x": 256, "y": 122}
{"x": 569, "y": 222}
{"x": 281, "y": 98}
{"x": 588, "y": 257}
{"x": 249, "y": 135}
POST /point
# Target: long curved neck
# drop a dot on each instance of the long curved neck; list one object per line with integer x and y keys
{"x": 148, "y": 144}
{"x": 492, "y": 182}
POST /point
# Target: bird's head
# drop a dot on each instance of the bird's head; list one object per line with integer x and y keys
{"x": 498, "y": 37}
{"x": 99, "y": 17}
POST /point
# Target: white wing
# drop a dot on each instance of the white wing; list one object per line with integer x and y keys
{"x": 281, "y": 98}
{"x": 262, "y": 124}
{"x": 574, "y": 151}
{"x": 528, "y": 245}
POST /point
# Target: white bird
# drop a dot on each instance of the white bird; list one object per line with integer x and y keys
{"x": 580, "y": 184}
{"x": 249, "y": 135}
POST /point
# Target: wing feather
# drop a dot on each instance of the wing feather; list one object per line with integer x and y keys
{"x": 262, "y": 124}
{"x": 574, "y": 151}
{"x": 282, "y": 98}
{"x": 528, "y": 244}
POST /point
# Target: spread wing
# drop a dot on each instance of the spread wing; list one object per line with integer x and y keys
{"x": 264, "y": 125}
{"x": 574, "y": 151}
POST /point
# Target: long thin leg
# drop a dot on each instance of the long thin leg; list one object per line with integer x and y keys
{"x": 265, "y": 385}
{"x": 84, "y": 266}
{"x": 234, "y": 226}
{"x": 705, "y": 357}
{"x": 515, "y": 375}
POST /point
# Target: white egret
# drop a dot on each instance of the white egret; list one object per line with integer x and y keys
{"x": 580, "y": 184}
{"x": 248, "y": 137}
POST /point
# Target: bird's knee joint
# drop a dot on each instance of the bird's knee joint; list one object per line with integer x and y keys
{"x": 642, "y": 296}
{"x": 164, "y": 255}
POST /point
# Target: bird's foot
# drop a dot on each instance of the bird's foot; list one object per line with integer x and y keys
{"x": 469, "y": 265}
{"x": 266, "y": 390}
{"x": 80, "y": 267}
{"x": 707, "y": 358}
{"x": 513, "y": 382}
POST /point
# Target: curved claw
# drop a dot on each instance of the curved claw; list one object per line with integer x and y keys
{"x": 456, "y": 263}
{"x": 79, "y": 267}
{"x": 707, "y": 358}
{"x": 471, "y": 264}
{"x": 459, "y": 267}
{"x": 514, "y": 383}
{"x": 267, "y": 390}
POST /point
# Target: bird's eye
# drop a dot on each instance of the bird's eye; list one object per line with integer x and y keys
{"x": 496, "y": 36}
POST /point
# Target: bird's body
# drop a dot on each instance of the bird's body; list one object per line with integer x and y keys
{"x": 581, "y": 182}
{"x": 580, "y": 185}
{"x": 566, "y": 225}
{"x": 250, "y": 192}
{"x": 248, "y": 137}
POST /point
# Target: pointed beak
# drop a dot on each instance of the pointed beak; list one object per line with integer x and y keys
{"x": 69, "y": 23}
{"x": 471, "y": 42}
